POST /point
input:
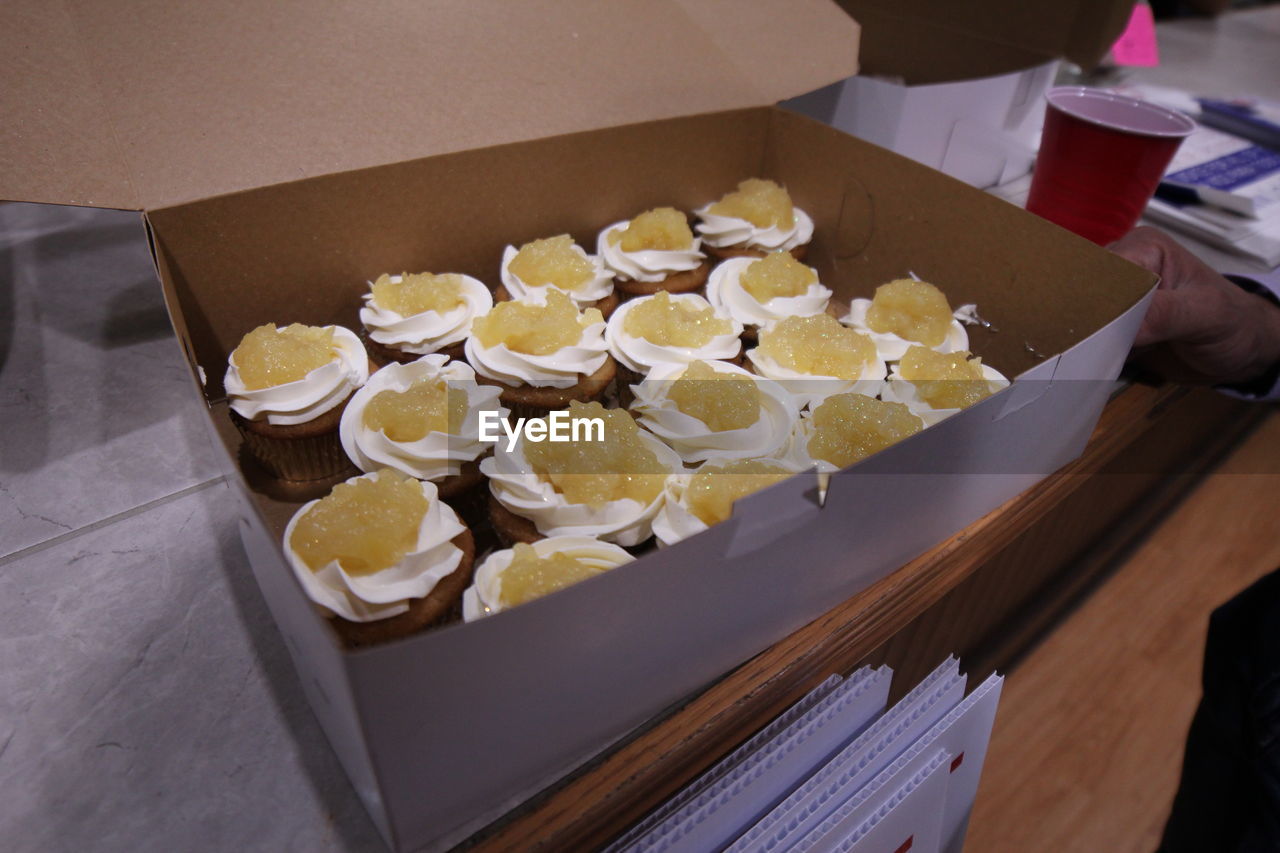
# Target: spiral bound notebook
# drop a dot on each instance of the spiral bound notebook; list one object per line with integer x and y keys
{"x": 726, "y": 764}
{"x": 907, "y": 820}
{"x": 734, "y": 794}
{"x": 858, "y": 763}
{"x": 963, "y": 733}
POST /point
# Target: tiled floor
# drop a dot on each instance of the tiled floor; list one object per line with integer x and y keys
{"x": 146, "y": 700}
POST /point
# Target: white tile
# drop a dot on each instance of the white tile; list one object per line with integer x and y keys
{"x": 147, "y": 701}
{"x": 97, "y": 410}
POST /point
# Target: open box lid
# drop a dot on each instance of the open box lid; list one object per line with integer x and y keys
{"x": 142, "y": 104}
{"x": 938, "y": 41}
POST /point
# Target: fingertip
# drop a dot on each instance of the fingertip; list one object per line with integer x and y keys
{"x": 1155, "y": 324}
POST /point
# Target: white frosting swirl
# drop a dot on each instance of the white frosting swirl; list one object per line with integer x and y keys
{"x": 484, "y": 596}
{"x": 559, "y": 369}
{"x": 811, "y": 389}
{"x": 385, "y": 593}
{"x": 641, "y": 355}
{"x": 676, "y": 522}
{"x": 899, "y": 390}
{"x": 723, "y": 231}
{"x": 730, "y": 298}
{"x": 515, "y": 485}
{"x": 889, "y": 346}
{"x": 436, "y": 455}
{"x": 693, "y": 439}
{"x": 426, "y": 331}
{"x": 795, "y": 451}
{"x": 588, "y": 293}
{"x": 646, "y": 264}
{"x": 304, "y": 399}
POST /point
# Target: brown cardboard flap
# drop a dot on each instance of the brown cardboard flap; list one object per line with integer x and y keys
{"x": 923, "y": 52}
{"x": 935, "y": 41}
{"x": 145, "y": 104}
{"x": 56, "y": 137}
{"x": 784, "y": 47}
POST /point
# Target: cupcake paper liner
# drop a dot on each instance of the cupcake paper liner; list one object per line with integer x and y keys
{"x": 297, "y": 459}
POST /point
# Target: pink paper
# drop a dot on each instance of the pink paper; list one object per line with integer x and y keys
{"x": 1137, "y": 44}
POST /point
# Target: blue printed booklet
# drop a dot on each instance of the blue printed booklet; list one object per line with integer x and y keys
{"x": 1228, "y": 172}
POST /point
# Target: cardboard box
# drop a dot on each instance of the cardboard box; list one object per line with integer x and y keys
{"x": 480, "y": 715}
{"x": 285, "y": 217}
{"x": 960, "y": 87}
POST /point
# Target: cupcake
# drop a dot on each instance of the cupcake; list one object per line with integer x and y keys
{"x": 936, "y": 385}
{"x": 905, "y": 312}
{"x": 694, "y": 502}
{"x": 410, "y": 315}
{"x": 655, "y": 251}
{"x": 421, "y": 419}
{"x": 847, "y": 428}
{"x": 609, "y": 488}
{"x": 381, "y": 555}
{"x": 815, "y": 357}
{"x": 515, "y": 576}
{"x": 709, "y": 410}
{"x": 757, "y": 218}
{"x": 287, "y": 389}
{"x": 669, "y": 329}
{"x": 560, "y": 263}
{"x": 542, "y": 356}
{"x": 759, "y": 292}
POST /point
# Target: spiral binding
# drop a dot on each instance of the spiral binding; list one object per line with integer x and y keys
{"x": 802, "y": 707}
{"x": 921, "y": 700}
{"x": 754, "y": 766}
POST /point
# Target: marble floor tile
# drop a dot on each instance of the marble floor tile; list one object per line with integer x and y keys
{"x": 147, "y": 701}
{"x": 97, "y": 410}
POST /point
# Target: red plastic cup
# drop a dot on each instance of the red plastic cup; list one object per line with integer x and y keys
{"x": 1101, "y": 157}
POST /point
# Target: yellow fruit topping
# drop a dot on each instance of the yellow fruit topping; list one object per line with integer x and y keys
{"x": 529, "y": 576}
{"x": 762, "y": 203}
{"x": 424, "y": 407}
{"x": 951, "y": 381}
{"x": 555, "y": 261}
{"x": 663, "y": 229}
{"x": 817, "y": 345}
{"x": 777, "y": 274}
{"x": 664, "y": 321}
{"x": 416, "y": 293}
{"x": 915, "y": 310}
{"x": 596, "y": 472}
{"x": 712, "y": 491}
{"x": 534, "y": 329}
{"x": 268, "y": 357}
{"x": 367, "y": 524}
{"x": 730, "y": 401}
{"x": 849, "y": 427}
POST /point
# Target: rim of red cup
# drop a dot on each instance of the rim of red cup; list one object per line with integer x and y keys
{"x": 1120, "y": 112}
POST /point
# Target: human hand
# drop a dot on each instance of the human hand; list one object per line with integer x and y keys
{"x": 1200, "y": 327}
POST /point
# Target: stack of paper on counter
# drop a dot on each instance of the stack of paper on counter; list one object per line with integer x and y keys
{"x": 859, "y": 762}
{"x": 838, "y": 772}
{"x": 716, "y": 807}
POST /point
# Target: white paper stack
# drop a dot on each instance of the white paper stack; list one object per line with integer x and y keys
{"x": 838, "y": 773}
{"x": 858, "y": 763}
{"x": 715, "y": 808}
